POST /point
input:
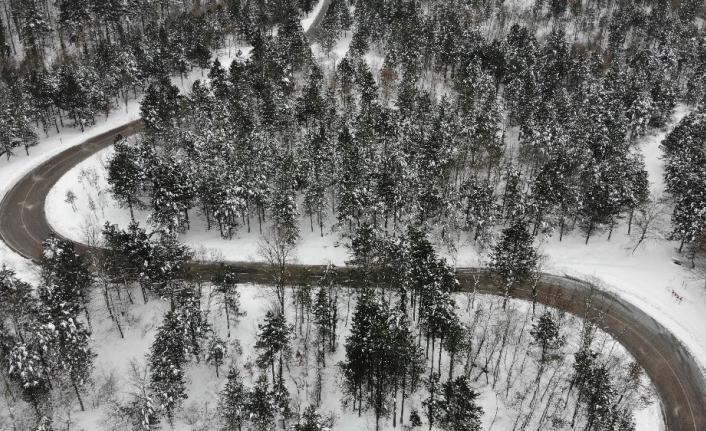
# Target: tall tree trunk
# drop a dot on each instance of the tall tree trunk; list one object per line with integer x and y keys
{"x": 78, "y": 394}
{"x": 225, "y": 302}
{"x": 394, "y": 407}
{"x": 404, "y": 386}
{"x": 441, "y": 350}
{"x": 433, "y": 344}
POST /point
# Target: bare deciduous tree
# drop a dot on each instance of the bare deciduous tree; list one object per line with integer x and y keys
{"x": 649, "y": 221}
{"x": 71, "y": 199}
{"x": 277, "y": 250}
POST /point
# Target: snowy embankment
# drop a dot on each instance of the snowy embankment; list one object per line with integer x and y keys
{"x": 14, "y": 169}
{"x": 95, "y": 206}
{"x": 311, "y": 16}
{"x": 647, "y": 278}
{"x": 505, "y": 399}
{"x": 655, "y": 277}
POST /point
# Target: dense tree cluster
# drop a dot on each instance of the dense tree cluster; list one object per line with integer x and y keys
{"x": 69, "y": 61}
{"x": 381, "y": 355}
{"x": 44, "y": 339}
{"x": 539, "y": 132}
{"x": 597, "y": 394}
{"x": 463, "y": 128}
{"x": 685, "y": 164}
{"x": 156, "y": 262}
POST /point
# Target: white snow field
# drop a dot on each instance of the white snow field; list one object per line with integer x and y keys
{"x": 647, "y": 278}
{"x": 501, "y": 408}
{"x": 311, "y": 16}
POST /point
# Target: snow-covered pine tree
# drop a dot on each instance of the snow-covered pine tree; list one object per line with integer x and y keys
{"x": 311, "y": 420}
{"x": 325, "y": 311}
{"x": 66, "y": 274}
{"x": 225, "y": 280}
{"x": 62, "y": 295}
{"x": 173, "y": 190}
{"x": 283, "y": 202}
{"x": 217, "y": 352}
{"x": 317, "y": 154}
{"x": 160, "y": 106}
{"x": 18, "y": 306}
{"x": 272, "y": 342}
{"x": 513, "y": 257}
{"x": 125, "y": 175}
{"x": 261, "y": 406}
{"x": 546, "y": 334}
{"x": 457, "y": 409}
{"x": 168, "y": 356}
{"x": 233, "y": 402}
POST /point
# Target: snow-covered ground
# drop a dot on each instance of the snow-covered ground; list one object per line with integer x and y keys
{"x": 501, "y": 408}
{"x": 647, "y": 277}
{"x": 14, "y": 169}
{"x": 313, "y": 249}
{"x": 311, "y": 16}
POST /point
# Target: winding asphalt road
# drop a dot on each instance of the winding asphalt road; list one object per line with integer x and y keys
{"x": 677, "y": 377}
{"x": 23, "y": 224}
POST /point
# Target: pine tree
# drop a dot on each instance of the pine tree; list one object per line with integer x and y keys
{"x": 62, "y": 295}
{"x": 8, "y": 142}
{"x": 432, "y": 403}
{"x": 75, "y": 96}
{"x": 407, "y": 359}
{"x": 546, "y": 334}
{"x": 125, "y": 175}
{"x": 143, "y": 414}
{"x": 225, "y": 281}
{"x": 217, "y": 352}
{"x": 34, "y": 30}
{"x": 313, "y": 421}
{"x": 233, "y": 402}
{"x": 261, "y": 406}
{"x": 66, "y": 275}
{"x": 273, "y": 341}
{"x": 73, "y": 14}
{"x": 70, "y": 339}
{"x": 283, "y": 203}
{"x": 173, "y": 192}
{"x": 126, "y": 253}
{"x": 160, "y": 106}
{"x": 597, "y": 395}
{"x": 17, "y": 304}
{"x": 30, "y": 367}
{"x": 317, "y": 158}
{"x": 167, "y": 359}
{"x": 281, "y": 399}
{"x": 371, "y": 368}
{"x": 187, "y": 302}
{"x": 514, "y": 257}
{"x": 481, "y": 208}
{"x": 4, "y": 47}
{"x": 457, "y": 409}
{"x": 166, "y": 266}
{"x": 292, "y": 41}
{"x": 685, "y": 160}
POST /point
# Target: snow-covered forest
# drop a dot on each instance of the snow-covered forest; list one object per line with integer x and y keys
{"x": 402, "y": 130}
{"x": 389, "y": 344}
